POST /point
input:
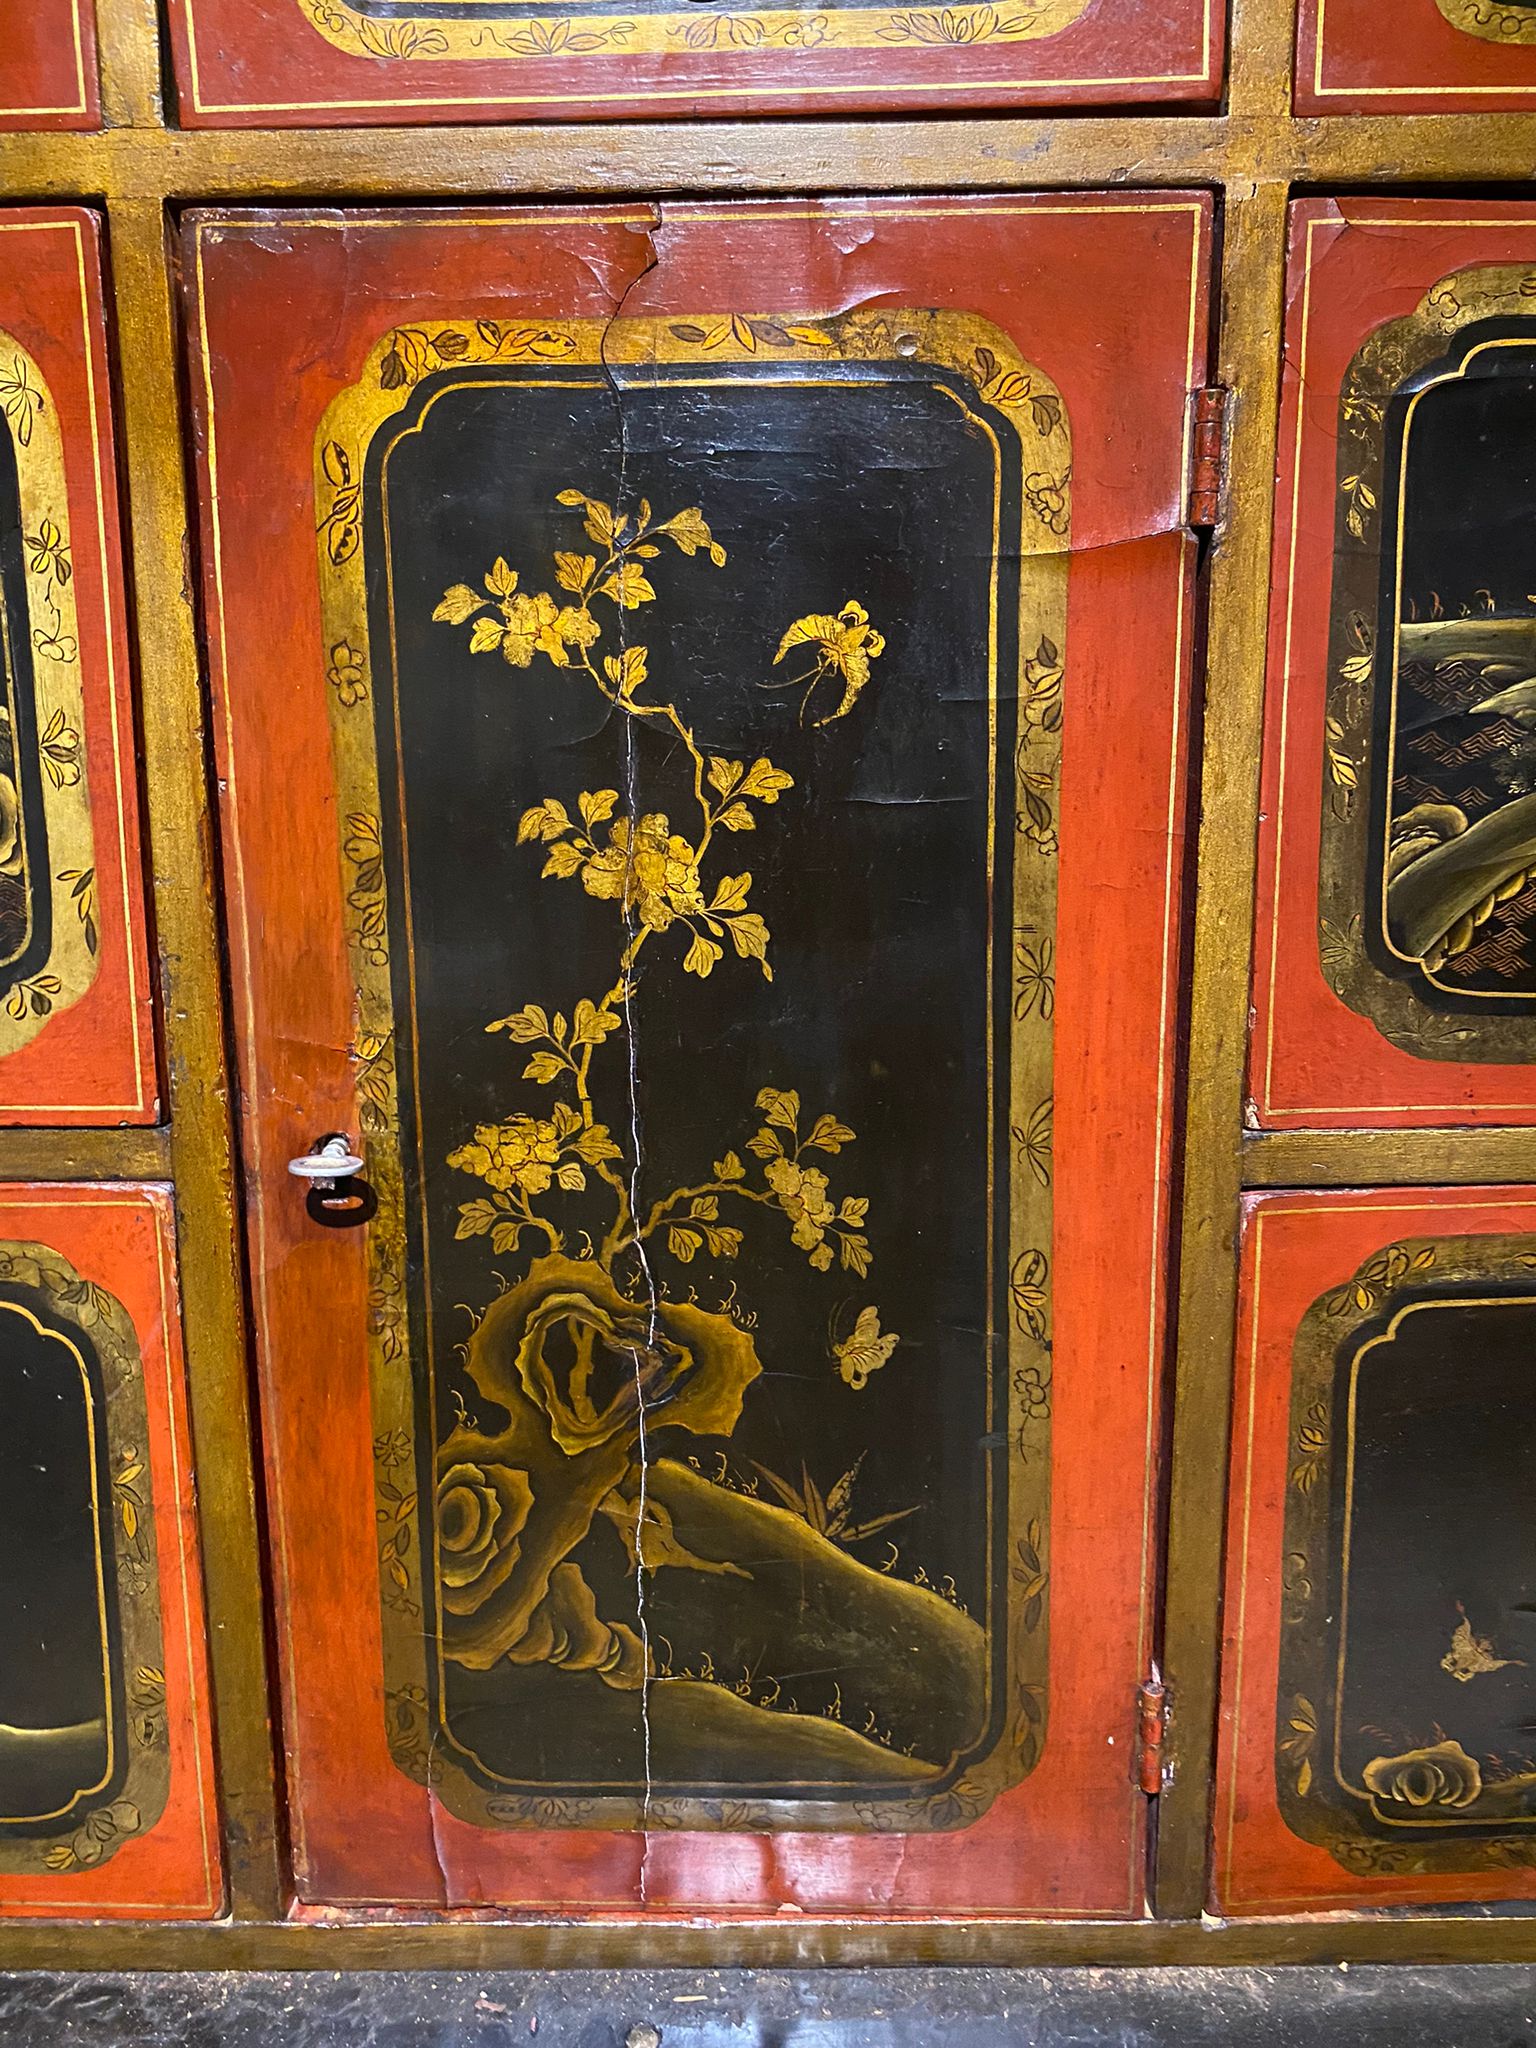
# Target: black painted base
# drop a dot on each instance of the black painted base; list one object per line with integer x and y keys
{"x": 1374, "y": 2006}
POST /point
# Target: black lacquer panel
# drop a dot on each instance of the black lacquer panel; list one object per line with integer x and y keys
{"x": 60, "y": 1688}
{"x": 878, "y": 871}
{"x": 26, "y": 899}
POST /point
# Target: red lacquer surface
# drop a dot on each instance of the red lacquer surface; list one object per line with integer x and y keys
{"x": 93, "y": 1062}
{"x": 242, "y": 63}
{"x": 1351, "y": 59}
{"x": 1296, "y": 1247}
{"x": 1314, "y": 1062}
{"x": 48, "y": 65}
{"x": 122, "y": 1239}
{"x": 1108, "y": 296}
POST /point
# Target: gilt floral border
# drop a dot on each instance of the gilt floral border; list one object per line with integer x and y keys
{"x": 990, "y": 365}
{"x": 51, "y": 634}
{"x": 479, "y": 38}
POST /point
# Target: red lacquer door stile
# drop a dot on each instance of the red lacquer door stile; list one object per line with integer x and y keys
{"x": 77, "y": 1028}
{"x": 148, "y": 1849}
{"x": 1355, "y": 266}
{"x": 1109, "y": 297}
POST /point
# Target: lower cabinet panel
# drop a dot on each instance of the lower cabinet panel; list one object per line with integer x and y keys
{"x": 1379, "y": 1713}
{"x": 106, "y": 1789}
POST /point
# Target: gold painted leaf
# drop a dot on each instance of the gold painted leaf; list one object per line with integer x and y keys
{"x": 681, "y": 1243}
{"x": 812, "y": 337}
{"x": 458, "y": 602}
{"x": 628, "y": 586}
{"x": 501, "y": 581}
{"x": 749, "y": 935}
{"x": 564, "y": 860}
{"x": 724, "y": 775}
{"x": 855, "y": 1255}
{"x": 544, "y": 1067}
{"x": 570, "y": 1176}
{"x": 573, "y": 572}
{"x": 737, "y": 818}
{"x": 590, "y": 1025}
{"x": 526, "y": 1024}
{"x": 765, "y": 782}
{"x": 1304, "y": 1777}
{"x": 701, "y": 957}
{"x": 729, "y": 1168}
{"x": 596, "y": 806}
{"x": 595, "y": 1145}
{"x": 828, "y": 1135}
{"x": 486, "y": 637}
{"x": 731, "y": 893}
{"x": 476, "y": 1218}
{"x": 723, "y": 1240}
{"x": 765, "y": 1145}
{"x": 781, "y": 1106}
{"x": 854, "y": 1208}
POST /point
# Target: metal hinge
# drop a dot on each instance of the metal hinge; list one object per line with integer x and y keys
{"x": 1208, "y": 458}
{"x": 1151, "y": 1727}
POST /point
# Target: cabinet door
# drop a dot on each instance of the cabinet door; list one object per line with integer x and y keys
{"x": 1396, "y": 935}
{"x": 48, "y": 66}
{"x": 1442, "y": 57}
{"x": 1377, "y": 1692}
{"x": 718, "y": 1475}
{"x": 76, "y": 1025}
{"x": 107, "y": 1804}
{"x": 346, "y": 62}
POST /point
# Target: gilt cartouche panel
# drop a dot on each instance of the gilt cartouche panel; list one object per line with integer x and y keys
{"x": 1407, "y": 1643}
{"x": 84, "y": 1738}
{"x": 1428, "y": 866}
{"x": 747, "y": 1053}
{"x": 48, "y": 931}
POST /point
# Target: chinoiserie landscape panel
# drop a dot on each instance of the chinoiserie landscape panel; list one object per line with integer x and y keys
{"x": 697, "y": 1296}
{"x": 1395, "y": 963}
{"x": 643, "y": 697}
{"x": 1379, "y": 1588}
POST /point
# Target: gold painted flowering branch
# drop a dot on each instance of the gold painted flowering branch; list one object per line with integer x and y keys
{"x": 660, "y": 880}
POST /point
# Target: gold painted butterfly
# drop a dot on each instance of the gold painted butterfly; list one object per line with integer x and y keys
{"x": 865, "y": 1351}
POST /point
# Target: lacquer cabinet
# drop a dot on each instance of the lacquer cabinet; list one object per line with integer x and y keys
{"x": 767, "y": 983}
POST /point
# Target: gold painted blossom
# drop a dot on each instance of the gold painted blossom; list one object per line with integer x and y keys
{"x": 519, "y": 1154}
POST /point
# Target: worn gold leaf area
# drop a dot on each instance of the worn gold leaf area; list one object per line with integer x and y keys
{"x": 1470, "y": 1654}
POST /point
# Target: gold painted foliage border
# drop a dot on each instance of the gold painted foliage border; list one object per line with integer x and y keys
{"x": 591, "y": 33}
{"x": 129, "y": 1541}
{"x": 1308, "y": 1633}
{"x": 993, "y": 368}
{"x": 1388, "y": 356}
{"x": 52, "y": 634}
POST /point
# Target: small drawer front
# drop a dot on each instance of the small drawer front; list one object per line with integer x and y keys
{"x": 48, "y": 66}
{"x": 76, "y": 1006}
{"x": 352, "y": 62}
{"x": 107, "y": 1806}
{"x": 1379, "y": 1674}
{"x": 1395, "y": 945}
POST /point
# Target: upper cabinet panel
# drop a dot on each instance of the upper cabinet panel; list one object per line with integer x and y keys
{"x": 106, "y": 1793}
{"x": 1440, "y": 57}
{"x": 712, "y": 1471}
{"x": 76, "y": 1011}
{"x": 337, "y": 62}
{"x": 1395, "y": 968}
{"x": 48, "y": 65}
{"x": 1378, "y": 1688}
